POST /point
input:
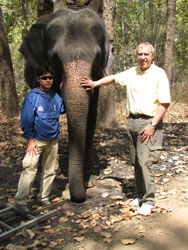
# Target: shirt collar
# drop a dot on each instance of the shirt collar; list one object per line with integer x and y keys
{"x": 140, "y": 72}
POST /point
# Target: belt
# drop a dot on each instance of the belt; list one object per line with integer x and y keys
{"x": 136, "y": 116}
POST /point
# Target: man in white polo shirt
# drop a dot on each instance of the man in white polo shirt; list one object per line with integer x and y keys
{"x": 148, "y": 97}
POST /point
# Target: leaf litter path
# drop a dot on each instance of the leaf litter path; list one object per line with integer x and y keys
{"x": 105, "y": 220}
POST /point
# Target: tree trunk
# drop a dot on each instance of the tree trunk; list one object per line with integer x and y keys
{"x": 44, "y": 7}
{"x": 25, "y": 16}
{"x": 9, "y": 99}
{"x": 106, "y": 110}
{"x": 171, "y": 9}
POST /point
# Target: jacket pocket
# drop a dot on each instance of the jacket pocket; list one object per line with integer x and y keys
{"x": 49, "y": 116}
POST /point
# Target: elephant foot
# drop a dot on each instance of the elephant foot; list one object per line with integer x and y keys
{"x": 91, "y": 182}
{"x": 66, "y": 196}
{"x": 77, "y": 193}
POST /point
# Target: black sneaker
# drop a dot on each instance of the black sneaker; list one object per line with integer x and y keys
{"x": 23, "y": 209}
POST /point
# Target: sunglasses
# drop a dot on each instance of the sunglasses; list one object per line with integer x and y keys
{"x": 46, "y": 77}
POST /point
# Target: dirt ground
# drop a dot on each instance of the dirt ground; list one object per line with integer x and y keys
{"x": 105, "y": 221}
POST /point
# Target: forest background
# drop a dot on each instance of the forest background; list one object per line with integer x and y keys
{"x": 105, "y": 220}
{"x": 135, "y": 21}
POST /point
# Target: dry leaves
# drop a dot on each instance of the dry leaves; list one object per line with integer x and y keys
{"x": 108, "y": 208}
{"x": 79, "y": 239}
{"x": 17, "y": 247}
{"x": 128, "y": 241}
{"x": 63, "y": 220}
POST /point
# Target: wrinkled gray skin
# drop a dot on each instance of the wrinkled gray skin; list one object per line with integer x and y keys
{"x": 75, "y": 43}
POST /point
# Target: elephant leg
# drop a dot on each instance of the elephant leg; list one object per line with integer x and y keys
{"x": 77, "y": 102}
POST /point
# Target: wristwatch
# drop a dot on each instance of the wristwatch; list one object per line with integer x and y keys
{"x": 153, "y": 124}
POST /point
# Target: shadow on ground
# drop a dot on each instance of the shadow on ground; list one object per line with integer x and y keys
{"x": 94, "y": 223}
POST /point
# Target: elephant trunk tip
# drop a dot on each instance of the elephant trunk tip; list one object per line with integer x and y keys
{"x": 77, "y": 192}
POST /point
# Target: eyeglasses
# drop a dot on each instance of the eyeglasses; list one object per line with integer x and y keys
{"x": 46, "y": 77}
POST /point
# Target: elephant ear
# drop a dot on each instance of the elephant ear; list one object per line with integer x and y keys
{"x": 33, "y": 45}
{"x": 33, "y": 49}
{"x": 101, "y": 36}
{"x": 96, "y": 5}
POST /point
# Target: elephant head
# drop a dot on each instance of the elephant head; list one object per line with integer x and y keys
{"x": 75, "y": 44}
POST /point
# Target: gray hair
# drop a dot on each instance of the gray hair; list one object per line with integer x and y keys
{"x": 145, "y": 44}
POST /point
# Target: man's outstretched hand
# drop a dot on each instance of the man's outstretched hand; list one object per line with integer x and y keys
{"x": 87, "y": 83}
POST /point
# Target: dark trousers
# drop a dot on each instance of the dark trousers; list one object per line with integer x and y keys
{"x": 144, "y": 157}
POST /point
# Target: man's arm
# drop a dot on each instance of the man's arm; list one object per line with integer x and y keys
{"x": 160, "y": 112}
{"x": 32, "y": 147}
{"x": 88, "y": 84}
{"x": 27, "y": 121}
{"x": 148, "y": 131}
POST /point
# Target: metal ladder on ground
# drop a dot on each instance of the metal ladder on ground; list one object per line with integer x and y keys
{"x": 33, "y": 218}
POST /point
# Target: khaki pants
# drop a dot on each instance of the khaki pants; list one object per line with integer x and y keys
{"x": 144, "y": 157}
{"x": 50, "y": 166}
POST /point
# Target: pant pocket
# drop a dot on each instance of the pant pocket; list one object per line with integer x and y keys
{"x": 28, "y": 160}
{"x": 156, "y": 147}
{"x": 155, "y": 153}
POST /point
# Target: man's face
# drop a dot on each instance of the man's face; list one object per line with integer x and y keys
{"x": 144, "y": 57}
{"x": 45, "y": 81}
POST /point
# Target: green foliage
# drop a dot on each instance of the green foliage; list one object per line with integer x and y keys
{"x": 18, "y": 17}
{"x": 136, "y": 22}
{"x": 139, "y": 21}
{"x": 181, "y": 44}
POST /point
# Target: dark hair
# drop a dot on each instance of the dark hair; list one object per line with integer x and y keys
{"x": 43, "y": 69}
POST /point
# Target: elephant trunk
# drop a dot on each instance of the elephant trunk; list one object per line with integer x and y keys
{"x": 77, "y": 102}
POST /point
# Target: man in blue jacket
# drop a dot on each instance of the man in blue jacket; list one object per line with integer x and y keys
{"x": 40, "y": 123}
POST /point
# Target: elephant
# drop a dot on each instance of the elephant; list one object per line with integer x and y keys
{"x": 75, "y": 44}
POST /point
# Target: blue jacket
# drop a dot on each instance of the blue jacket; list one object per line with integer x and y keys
{"x": 40, "y": 115}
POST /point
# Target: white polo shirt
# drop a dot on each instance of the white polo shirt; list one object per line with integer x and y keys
{"x": 145, "y": 89}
